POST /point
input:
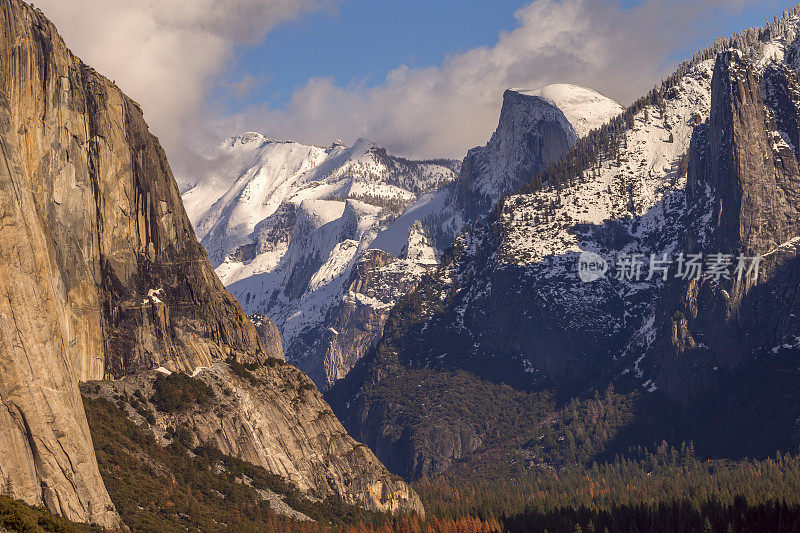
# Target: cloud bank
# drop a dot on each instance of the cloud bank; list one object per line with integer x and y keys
{"x": 443, "y": 111}
{"x": 168, "y": 54}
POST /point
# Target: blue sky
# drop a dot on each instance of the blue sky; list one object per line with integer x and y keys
{"x": 424, "y": 78}
{"x": 361, "y": 41}
{"x": 364, "y": 39}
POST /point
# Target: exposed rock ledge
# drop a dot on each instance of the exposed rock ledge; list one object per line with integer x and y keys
{"x": 279, "y": 420}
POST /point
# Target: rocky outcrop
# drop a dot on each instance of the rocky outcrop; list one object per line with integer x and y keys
{"x": 753, "y": 172}
{"x": 355, "y": 323}
{"x": 101, "y": 276}
{"x": 270, "y": 336}
{"x": 744, "y": 169}
{"x": 274, "y": 417}
{"x": 532, "y": 133}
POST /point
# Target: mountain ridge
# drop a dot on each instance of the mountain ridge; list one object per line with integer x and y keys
{"x": 293, "y": 228}
{"x": 275, "y": 274}
{"x": 630, "y": 187}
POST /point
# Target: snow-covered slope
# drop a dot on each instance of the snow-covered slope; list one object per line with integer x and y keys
{"x": 649, "y": 174}
{"x": 584, "y": 108}
{"x": 285, "y": 224}
{"x": 232, "y": 159}
{"x": 255, "y": 176}
{"x": 295, "y": 234}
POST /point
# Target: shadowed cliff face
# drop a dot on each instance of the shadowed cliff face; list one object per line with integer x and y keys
{"x": 744, "y": 169}
{"x": 101, "y": 276}
{"x": 752, "y": 171}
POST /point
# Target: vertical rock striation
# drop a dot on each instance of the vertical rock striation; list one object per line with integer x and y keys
{"x": 49, "y": 316}
{"x": 101, "y": 276}
{"x": 743, "y": 168}
{"x": 133, "y": 280}
{"x": 752, "y": 171}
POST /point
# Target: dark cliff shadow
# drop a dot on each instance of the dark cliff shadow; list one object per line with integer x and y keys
{"x": 742, "y": 401}
{"x": 537, "y": 333}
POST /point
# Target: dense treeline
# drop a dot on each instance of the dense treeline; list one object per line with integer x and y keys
{"x": 516, "y": 428}
{"x": 672, "y": 517}
{"x": 177, "y": 391}
{"x": 666, "y": 490}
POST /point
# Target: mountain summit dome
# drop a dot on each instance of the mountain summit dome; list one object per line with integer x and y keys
{"x": 585, "y": 109}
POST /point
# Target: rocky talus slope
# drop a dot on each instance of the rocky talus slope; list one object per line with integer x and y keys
{"x": 276, "y": 418}
{"x": 101, "y": 276}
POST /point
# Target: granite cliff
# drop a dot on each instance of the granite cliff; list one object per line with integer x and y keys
{"x": 102, "y": 277}
{"x": 743, "y": 175}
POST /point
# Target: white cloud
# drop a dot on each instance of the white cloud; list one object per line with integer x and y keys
{"x": 445, "y": 110}
{"x": 166, "y": 54}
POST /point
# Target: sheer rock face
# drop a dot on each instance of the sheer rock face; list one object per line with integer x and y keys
{"x": 100, "y": 273}
{"x": 531, "y": 134}
{"x": 49, "y": 315}
{"x": 744, "y": 170}
{"x": 753, "y": 172}
{"x": 132, "y": 279}
{"x": 536, "y": 129}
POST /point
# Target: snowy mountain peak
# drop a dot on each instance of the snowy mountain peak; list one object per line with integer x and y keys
{"x": 364, "y": 145}
{"x": 584, "y": 108}
{"x": 289, "y": 225}
{"x": 247, "y": 138}
{"x": 536, "y": 128}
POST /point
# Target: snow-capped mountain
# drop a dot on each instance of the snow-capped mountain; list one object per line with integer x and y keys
{"x": 535, "y": 129}
{"x": 324, "y": 241}
{"x": 286, "y": 226}
{"x": 254, "y": 176}
{"x": 705, "y": 163}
